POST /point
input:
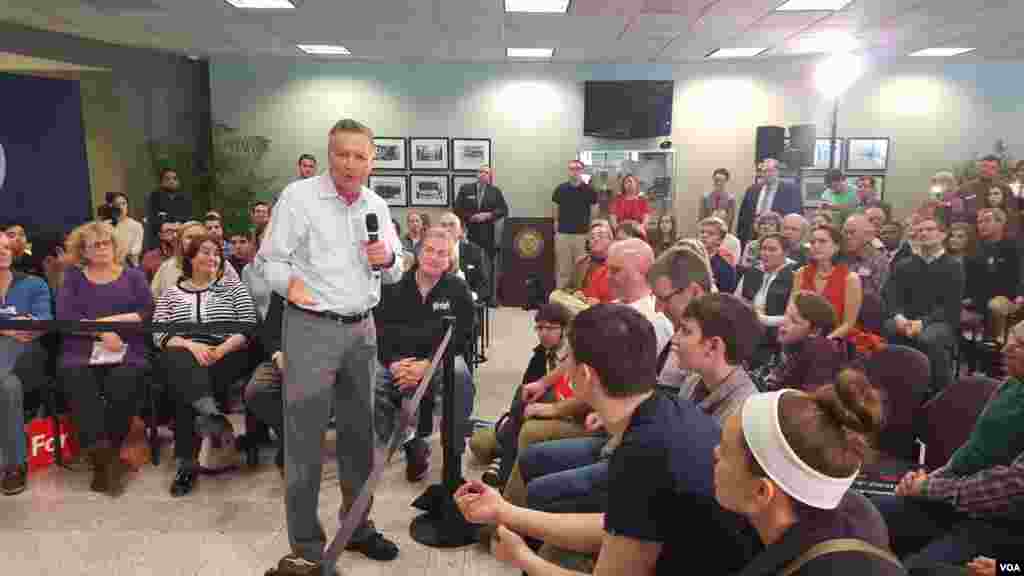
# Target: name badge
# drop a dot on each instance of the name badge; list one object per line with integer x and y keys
{"x": 442, "y": 306}
{"x": 864, "y": 271}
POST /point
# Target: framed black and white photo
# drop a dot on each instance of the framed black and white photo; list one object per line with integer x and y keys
{"x": 429, "y": 190}
{"x": 469, "y": 154}
{"x": 460, "y": 180}
{"x": 393, "y": 188}
{"x": 822, "y": 149}
{"x": 429, "y": 153}
{"x": 390, "y": 154}
{"x": 868, "y": 154}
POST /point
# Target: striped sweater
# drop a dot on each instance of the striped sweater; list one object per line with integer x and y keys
{"x": 223, "y": 301}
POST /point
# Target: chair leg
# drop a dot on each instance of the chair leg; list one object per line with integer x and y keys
{"x": 57, "y": 433}
{"x": 152, "y": 427}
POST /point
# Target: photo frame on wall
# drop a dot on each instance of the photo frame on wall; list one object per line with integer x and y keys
{"x": 469, "y": 154}
{"x": 822, "y": 148}
{"x": 460, "y": 180}
{"x": 428, "y": 153}
{"x": 391, "y": 154}
{"x": 867, "y": 154}
{"x": 393, "y": 188}
{"x": 429, "y": 190}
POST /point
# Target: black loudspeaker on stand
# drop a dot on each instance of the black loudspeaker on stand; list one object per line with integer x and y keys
{"x": 442, "y": 525}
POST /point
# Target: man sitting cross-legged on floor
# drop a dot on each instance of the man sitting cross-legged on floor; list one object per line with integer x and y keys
{"x": 661, "y": 482}
{"x": 409, "y": 330}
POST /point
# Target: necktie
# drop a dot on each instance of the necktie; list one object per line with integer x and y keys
{"x": 762, "y": 203}
{"x": 479, "y": 196}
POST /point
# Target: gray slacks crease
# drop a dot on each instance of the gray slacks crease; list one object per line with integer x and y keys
{"x": 326, "y": 359}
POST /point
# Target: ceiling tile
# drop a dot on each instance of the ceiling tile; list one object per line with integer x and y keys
{"x": 684, "y": 7}
{"x": 606, "y": 8}
{"x": 530, "y": 28}
{"x": 660, "y": 25}
{"x": 774, "y": 28}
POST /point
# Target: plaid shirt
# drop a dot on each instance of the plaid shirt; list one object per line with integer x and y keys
{"x": 990, "y": 493}
{"x": 873, "y": 269}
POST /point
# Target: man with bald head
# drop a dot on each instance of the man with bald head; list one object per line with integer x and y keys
{"x": 628, "y": 263}
{"x": 864, "y": 259}
{"x": 771, "y": 195}
{"x": 474, "y": 266}
{"x": 794, "y": 229}
{"x": 877, "y": 217}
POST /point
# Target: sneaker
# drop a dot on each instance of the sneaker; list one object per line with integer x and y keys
{"x": 492, "y": 477}
{"x": 375, "y": 547}
{"x": 292, "y": 565}
{"x": 15, "y": 480}
{"x": 417, "y": 460}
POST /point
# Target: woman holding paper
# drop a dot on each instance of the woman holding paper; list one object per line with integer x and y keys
{"x": 100, "y": 288}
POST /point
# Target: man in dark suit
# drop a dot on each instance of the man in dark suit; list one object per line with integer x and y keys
{"x": 480, "y": 206}
{"x": 773, "y": 194}
{"x": 473, "y": 262}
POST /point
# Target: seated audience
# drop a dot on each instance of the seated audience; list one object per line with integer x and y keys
{"x": 630, "y": 229}
{"x": 628, "y": 264}
{"x": 170, "y": 271}
{"x": 862, "y": 257}
{"x": 629, "y": 205}
{"x": 826, "y": 274}
{"x": 501, "y": 444}
{"x": 590, "y": 276}
{"x": 822, "y": 217}
{"x": 809, "y": 360}
{"x": 411, "y": 240}
{"x": 971, "y": 505}
{"x": 263, "y": 400}
{"x": 129, "y": 230}
{"x": 152, "y": 259}
{"x": 767, "y": 288}
{"x": 767, "y": 223}
{"x": 22, "y": 365}
{"x": 877, "y": 217}
{"x": 787, "y": 461}
{"x": 215, "y": 227}
{"x": 958, "y": 244}
{"x": 241, "y": 252}
{"x": 472, "y": 263}
{"x": 993, "y": 273}
{"x": 101, "y": 371}
{"x": 20, "y": 252}
{"x": 922, "y": 300}
{"x": 794, "y": 228}
{"x": 201, "y": 367}
{"x": 718, "y": 334}
{"x": 658, "y": 486}
{"x": 666, "y": 234}
{"x": 712, "y": 232}
{"x": 892, "y": 237}
{"x": 259, "y": 217}
{"x": 409, "y": 330}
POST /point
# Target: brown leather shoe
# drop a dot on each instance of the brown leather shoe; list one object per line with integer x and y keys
{"x": 294, "y": 565}
{"x": 14, "y": 480}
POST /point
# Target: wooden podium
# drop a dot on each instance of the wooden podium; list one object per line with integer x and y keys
{"x": 528, "y": 251}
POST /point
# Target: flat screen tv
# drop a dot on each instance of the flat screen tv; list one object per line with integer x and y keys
{"x": 632, "y": 109}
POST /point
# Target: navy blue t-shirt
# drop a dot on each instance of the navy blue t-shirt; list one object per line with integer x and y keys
{"x": 661, "y": 489}
{"x": 574, "y": 207}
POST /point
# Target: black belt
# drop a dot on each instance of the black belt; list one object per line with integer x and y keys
{"x": 334, "y": 316}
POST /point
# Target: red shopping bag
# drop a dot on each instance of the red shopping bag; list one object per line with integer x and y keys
{"x": 42, "y": 441}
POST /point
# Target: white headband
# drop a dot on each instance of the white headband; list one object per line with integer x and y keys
{"x": 771, "y": 450}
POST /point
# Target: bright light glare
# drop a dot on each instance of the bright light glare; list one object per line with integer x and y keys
{"x": 530, "y": 52}
{"x": 727, "y": 53}
{"x": 838, "y": 72}
{"x": 812, "y": 6}
{"x": 942, "y": 51}
{"x": 324, "y": 49}
{"x": 537, "y": 6}
{"x": 262, "y": 4}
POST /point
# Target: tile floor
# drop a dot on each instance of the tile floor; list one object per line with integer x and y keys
{"x": 234, "y": 524}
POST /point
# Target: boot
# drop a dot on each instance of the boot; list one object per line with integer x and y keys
{"x": 101, "y": 455}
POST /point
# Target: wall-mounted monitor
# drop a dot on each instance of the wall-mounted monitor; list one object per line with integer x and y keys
{"x": 628, "y": 110}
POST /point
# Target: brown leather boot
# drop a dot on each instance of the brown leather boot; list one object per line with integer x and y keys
{"x": 101, "y": 455}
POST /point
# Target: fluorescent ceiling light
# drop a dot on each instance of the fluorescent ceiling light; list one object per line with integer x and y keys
{"x": 941, "y": 51}
{"x": 812, "y": 6}
{"x": 537, "y": 6}
{"x": 530, "y": 52}
{"x": 262, "y": 4}
{"x": 725, "y": 53}
{"x": 324, "y": 49}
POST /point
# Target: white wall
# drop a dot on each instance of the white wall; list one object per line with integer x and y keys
{"x": 936, "y": 113}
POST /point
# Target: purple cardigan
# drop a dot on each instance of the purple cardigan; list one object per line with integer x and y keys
{"x": 80, "y": 299}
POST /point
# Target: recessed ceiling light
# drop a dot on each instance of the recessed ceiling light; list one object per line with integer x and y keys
{"x": 812, "y": 6}
{"x": 530, "y": 52}
{"x": 262, "y": 4}
{"x": 941, "y": 51}
{"x": 725, "y": 53}
{"x": 537, "y": 6}
{"x": 324, "y": 49}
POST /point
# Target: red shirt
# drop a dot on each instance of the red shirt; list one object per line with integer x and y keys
{"x": 634, "y": 208}
{"x": 595, "y": 285}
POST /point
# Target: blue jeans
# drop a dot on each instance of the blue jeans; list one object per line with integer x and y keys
{"x": 566, "y": 475}
{"x": 388, "y": 402}
{"x": 927, "y": 533}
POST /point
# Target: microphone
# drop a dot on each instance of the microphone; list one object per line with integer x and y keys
{"x": 372, "y": 231}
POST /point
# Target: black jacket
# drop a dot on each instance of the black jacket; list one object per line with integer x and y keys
{"x": 475, "y": 266}
{"x": 787, "y": 200}
{"x": 409, "y": 326}
{"x": 993, "y": 271}
{"x": 930, "y": 292}
{"x": 270, "y": 331}
{"x": 467, "y": 204}
{"x": 776, "y": 300}
{"x": 162, "y": 207}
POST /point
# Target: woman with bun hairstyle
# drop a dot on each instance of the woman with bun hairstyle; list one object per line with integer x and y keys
{"x": 786, "y": 462}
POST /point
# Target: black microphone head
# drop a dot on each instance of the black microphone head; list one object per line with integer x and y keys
{"x": 372, "y": 225}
